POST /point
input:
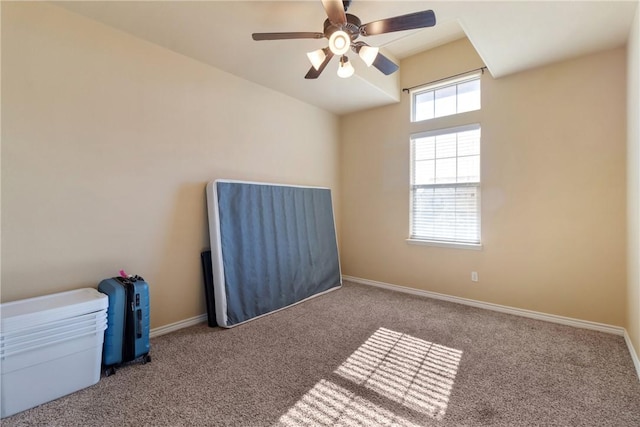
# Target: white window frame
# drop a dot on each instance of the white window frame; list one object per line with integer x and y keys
{"x": 441, "y": 85}
{"x": 434, "y": 242}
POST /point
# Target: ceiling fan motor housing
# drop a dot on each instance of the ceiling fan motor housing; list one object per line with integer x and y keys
{"x": 352, "y": 27}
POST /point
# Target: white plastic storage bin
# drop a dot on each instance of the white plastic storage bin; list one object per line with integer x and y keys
{"x": 50, "y": 346}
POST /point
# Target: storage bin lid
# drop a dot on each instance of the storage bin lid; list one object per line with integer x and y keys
{"x": 41, "y": 310}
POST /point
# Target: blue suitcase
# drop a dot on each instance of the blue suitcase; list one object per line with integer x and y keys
{"x": 127, "y": 335}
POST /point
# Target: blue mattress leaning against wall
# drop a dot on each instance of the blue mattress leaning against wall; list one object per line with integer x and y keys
{"x": 272, "y": 246}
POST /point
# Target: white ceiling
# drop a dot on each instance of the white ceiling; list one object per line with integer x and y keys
{"x": 510, "y": 36}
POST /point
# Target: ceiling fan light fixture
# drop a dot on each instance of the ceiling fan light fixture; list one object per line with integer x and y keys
{"x": 339, "y": 42}
{"x": 343, "y": 29}
{"x": 368, "y": 54}
{"x": 345, "y": 69}
{"x": 316, "y": 58}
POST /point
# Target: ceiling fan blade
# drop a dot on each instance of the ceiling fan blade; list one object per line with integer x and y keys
{"x": 286, "y": 36}
{"x": 313, "y": 73}
{"x": 381, "y": 62}
{"x": 411, "y": 21}
{"x": 384, "y": 64}
{"x": 335, "y": 11}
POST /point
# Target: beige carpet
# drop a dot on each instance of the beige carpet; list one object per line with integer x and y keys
{"x": 362, "y": 356}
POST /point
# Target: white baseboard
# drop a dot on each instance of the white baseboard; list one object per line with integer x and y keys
{"x": 156, "y": 332}
{"x": 601, "y": 327}
{"x": 616, "y": 330}
{"x": 634, "y": 355}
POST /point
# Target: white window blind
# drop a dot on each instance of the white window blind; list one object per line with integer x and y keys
{"x": 445, "y": 185}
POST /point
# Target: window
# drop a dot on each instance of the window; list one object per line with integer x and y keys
{"x": 445, "y": 185}
{"x": 445, "y": 99}
{"x": 445, "y": 163}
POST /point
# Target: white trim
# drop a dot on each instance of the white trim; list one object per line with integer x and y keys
{"x": 156, "y": 332}
{"x": 585, "y": 324}
{"x": 452, "y": 245}
{"x": 445, "y": 131}
{"x": 439, "y": 84}
{"x": 181, "y": 324}
{"x": 634, "y": 355}
{"x": 453, "y": 185}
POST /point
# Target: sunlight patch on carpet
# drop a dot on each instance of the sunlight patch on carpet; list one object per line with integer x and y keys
{"x": 413, "y": 372}
{"x": 328, "y": 404}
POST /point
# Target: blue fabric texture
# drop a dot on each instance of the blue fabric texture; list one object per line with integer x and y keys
{"x": 278, "y": 246}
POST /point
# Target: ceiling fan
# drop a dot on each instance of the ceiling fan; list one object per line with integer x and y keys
{"x": 342, "y": 29}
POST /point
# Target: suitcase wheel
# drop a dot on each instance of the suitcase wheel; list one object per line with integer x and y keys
{"x": 146, "y": 359}
{"x": 109, "y": 371}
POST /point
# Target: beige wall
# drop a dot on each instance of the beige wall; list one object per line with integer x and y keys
{"x": 553, "y": 189}
{"x": 633, "y": 183}
{"x": 107, "y": 138}
{"x": 107, "y": 144}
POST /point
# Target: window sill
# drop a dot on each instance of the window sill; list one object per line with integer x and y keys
{"x": 451, "y": 245}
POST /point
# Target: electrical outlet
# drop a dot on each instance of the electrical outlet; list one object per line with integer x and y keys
{"x": 474, "y": 276}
